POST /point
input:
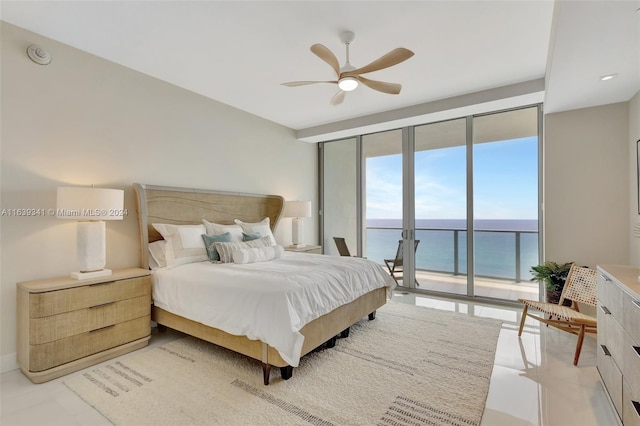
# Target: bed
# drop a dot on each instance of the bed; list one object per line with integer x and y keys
{"x": 184, "y": 206}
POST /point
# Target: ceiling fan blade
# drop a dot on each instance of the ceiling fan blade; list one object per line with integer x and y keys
{"x": 390, "y": 59}
{"x": 304, "y": 83}
{"x": 327, "y": 56}
{"x": 338, "y": 98}
{"x": 381, "y": 86}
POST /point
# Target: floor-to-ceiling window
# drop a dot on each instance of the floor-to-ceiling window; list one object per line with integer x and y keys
{"x": 339, "y": 166}
{"x": 505, "y": 202}
{"x": 473, "y": 187}
{"x": 440, "y": 173}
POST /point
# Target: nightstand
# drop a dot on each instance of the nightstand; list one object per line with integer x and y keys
{"x": 65, "y": 324}
{"x": 305, "y": 249}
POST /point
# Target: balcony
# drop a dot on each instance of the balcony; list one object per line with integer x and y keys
{"x": 502, "y": 259}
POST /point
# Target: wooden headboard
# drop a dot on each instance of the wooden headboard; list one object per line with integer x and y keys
{"x": 181, "y": 206}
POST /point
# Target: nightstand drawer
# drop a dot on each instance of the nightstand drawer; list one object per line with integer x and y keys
{"x": 55, "y": 327}
{"x": 48, "y": 355}
{"x": 56, "y": 302}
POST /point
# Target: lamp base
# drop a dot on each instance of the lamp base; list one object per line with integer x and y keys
{"x": 92, "y": 274}
{"x": 297, "y": 245}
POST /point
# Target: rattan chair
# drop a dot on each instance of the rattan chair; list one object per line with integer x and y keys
{"x": 395, "y": 265}
{"x": 343, "y": 250}
{"x": 579, "y": 287}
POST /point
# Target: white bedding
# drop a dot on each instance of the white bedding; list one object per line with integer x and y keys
{"x": 269, "y": 301}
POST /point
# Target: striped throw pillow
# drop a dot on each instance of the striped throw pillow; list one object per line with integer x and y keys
{"x": 225, "y": 250}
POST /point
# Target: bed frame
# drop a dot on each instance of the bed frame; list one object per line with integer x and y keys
{"x": 162, "y": 204}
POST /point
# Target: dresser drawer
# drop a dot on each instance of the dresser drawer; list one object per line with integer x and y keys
{"x": 611, "y": 376}
{"x": 631, "y": 320}
{"x": 630, "y": 405}
{"x": 631, "y": 362}
{"x": 610, "y": 334}
{"x": 56, "y": 327}
{"x": 56, "y": 302}
{"x": 610, "y": 296}
{"x": 51, "y": 354}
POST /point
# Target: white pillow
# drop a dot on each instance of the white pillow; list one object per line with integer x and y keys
{"x": 157, "y": 258}
{"x": 261, "y": 227}
{"x": 257, "y": 254}
{"x": 226, "y": 249}
{"x": 184, "y": 243}
{"x": 217, "y": 229}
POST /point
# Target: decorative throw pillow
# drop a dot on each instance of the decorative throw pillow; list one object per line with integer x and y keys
{"x": 226, "y": 249}
{"x": 262, "y": 227}
{"x": 184, "y": 244}
{"x": 209, "y": 244}
{"x": 250, "y": 237}
{"x": 157, "y": 254}
{"x": 257, "y": 254}
{"x": 217, "y": 229}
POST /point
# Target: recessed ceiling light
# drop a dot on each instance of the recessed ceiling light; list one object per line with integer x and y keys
{"x": 608, "y": 77}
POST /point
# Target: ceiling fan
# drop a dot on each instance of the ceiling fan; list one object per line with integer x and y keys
{"x": 349, "y": 76}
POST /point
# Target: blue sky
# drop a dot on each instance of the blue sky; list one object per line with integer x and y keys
{"x": 505, "y": 182}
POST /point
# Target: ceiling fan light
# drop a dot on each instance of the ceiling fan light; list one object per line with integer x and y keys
{"x": 347, "y": 84}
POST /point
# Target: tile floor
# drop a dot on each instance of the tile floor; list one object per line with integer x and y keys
{"x": 533, "y": 381}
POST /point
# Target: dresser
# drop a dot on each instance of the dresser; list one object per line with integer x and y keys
{"x": 66, "y": 324}
{"x": 618, "y": 356}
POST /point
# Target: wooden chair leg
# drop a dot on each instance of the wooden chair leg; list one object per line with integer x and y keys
{"x": 524, "y": 317}
{"x": 579, "y": 345}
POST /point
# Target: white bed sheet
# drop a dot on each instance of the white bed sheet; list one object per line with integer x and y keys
{"x": 269, "y": 301}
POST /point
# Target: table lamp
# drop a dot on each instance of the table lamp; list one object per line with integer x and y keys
{"x": 90, "y": 207}
{"x": 297, "y": 210}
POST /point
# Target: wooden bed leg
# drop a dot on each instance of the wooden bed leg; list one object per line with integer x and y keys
{"x": 372, "y": 316}
{"x": 286, "y": 372}
{"x": 331, "y": 342}
{"x": 345, "y": 333}
{"x": 266, "y": 371}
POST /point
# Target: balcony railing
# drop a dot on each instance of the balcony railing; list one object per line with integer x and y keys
{"x": 502, "y": 254}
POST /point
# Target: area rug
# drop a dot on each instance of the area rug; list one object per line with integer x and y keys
{"x": 410, "y": 366}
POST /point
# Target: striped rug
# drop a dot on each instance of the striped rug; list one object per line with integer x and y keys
{"x": 410, "y": 366}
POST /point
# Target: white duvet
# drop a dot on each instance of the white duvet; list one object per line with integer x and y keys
{"x": 269, "y": 301}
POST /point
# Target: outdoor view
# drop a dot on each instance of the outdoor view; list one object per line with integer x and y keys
{"x": 490, "y": 159}
{"x": 506, "y": 182}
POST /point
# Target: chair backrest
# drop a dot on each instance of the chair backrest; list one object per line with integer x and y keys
{"x": 581, "y": 286}
{"x": 399, "y": 254}
{"x": 342, "y": 246}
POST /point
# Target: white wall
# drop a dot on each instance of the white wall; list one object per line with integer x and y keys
{"x": 586, "y": 185}
{"x": 83, "y": 120}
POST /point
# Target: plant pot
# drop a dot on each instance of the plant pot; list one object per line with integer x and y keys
{"x": 553, "y": 296}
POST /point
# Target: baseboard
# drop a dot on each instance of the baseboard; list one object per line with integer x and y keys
{"x": 8, "y": 362}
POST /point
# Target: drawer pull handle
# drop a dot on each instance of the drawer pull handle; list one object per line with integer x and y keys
{"x": 604, "y": 277}
{"x": 605, "y": 350}
{"x": 97, "y": 284}
{"x": 102, "y": 328}
{"x": 101, "y": 305}
{"x": 637, "y": 303}
{"x": 605, "y": 310}
{"x": 636, "y": 349}
{"x": 636, "y": 405}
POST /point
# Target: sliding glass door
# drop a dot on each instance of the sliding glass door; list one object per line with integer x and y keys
{"x": 463, "y": 192}
{"x": 505, "y": 203}
{"x": 440, "y": 175}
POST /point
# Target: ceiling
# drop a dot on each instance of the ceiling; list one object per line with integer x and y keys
{"x": 239, "y": 52}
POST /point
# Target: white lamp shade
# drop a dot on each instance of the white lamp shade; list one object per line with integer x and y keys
{"x": 297, "y": 209}
{"x": 79, "y": 203}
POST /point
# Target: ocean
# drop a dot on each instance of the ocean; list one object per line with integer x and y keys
{"x": 495, "y": 245}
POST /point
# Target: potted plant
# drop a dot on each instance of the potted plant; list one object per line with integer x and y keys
{"x": 554, "y": 276}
